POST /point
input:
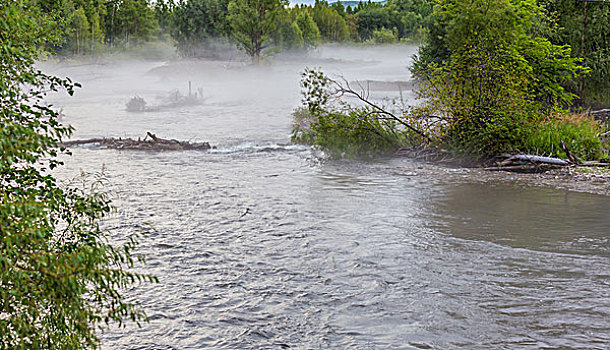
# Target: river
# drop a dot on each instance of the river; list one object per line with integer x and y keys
{"x": 260, "y": 244}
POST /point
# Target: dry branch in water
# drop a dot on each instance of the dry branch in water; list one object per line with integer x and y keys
{"x": 150, "y": 143}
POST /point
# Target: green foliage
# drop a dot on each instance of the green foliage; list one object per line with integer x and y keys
{"x": 579, "y": 133}
{"x": 60, "y": 277}
{"x": 309, "y": 30}
{"x": 406, "y": 17}
{"x": 383, "y": 36}
{"x": 370, "y": 19}
{"x": 88, "y": 24}
{"x": 291, "y": 36}
{"x": 351, "y": 133}
{"x": 315, "y": 90}
{"x": 489, "y": 76}
{"x": 342, "y": 132}
{"x": 80, "y": 29}
{"x": 585, "y": 26}
{"x": 331, "y": 24}
{"x": 136, "y": 21}
{"x": 252, "y": 21}
{"x": 197, "y": 24}
{"x": 199, "y": 27}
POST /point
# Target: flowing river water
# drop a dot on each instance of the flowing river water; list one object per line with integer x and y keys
{"x": 260, "y": 244}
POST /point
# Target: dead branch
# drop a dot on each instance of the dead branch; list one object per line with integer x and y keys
{"x": 571, "y": 157}
{"x": 344, "y": 88}
{"x": 593, "y": 163}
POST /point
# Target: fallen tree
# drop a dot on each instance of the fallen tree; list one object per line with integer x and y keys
{"x": 150, "y": 143}
{"x": 525, "y": 162}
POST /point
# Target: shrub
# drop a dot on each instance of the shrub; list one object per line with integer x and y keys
{"x": 60, "y": 276}
{"x": 349, "y": 133}
{"x": 344, "y": 130}
{"x": 383, "y": 36}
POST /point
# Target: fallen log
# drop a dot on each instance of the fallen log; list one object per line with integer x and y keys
{"x": 150, "y": 143}
{"x": 81, "y": 142}
{"x": 541, "y": 159}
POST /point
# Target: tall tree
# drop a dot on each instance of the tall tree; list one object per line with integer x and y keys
{"x": 252, "y": 21}
{"x": 311, "y": 33}
{"x": 331, "y": 24}
{"x": 80, "y": 30}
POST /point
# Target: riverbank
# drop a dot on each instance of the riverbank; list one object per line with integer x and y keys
{"x": 585, "y": 179}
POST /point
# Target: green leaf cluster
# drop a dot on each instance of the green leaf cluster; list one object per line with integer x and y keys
{"x": 90, "y": 26}
{"x": 585, "y": 26}
{"x": 197, "y": 24}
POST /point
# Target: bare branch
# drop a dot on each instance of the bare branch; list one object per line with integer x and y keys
{"x": 342, "y": 89}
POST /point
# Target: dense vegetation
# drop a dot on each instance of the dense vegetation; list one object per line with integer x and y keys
{"x": 198, "y": 25}
{"x": 60, "y": 278}
{"x": 206, "y": 27}
{"x": 585, "y": 26}
{"x": 493, "y": 78}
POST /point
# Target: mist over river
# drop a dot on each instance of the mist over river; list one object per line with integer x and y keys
{"x": 260, "y": 244}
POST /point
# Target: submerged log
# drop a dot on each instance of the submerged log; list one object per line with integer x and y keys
{"x": 150, "y": 143}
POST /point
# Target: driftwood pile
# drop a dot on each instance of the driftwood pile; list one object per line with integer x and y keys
{"x": 150, "y": 143}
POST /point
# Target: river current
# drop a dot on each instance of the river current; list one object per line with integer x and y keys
{"x": 260, "y": 244}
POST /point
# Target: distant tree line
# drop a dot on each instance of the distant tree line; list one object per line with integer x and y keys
{"x": 199, "y": 27}
{"x": 256, "y": 25}
{"x": 91, "y": 26}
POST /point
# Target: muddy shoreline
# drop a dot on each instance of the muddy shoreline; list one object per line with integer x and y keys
{"x": 594, "y": 180}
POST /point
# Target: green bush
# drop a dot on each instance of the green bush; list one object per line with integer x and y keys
{"x": 383, "y": 36}
{"x": 343, "y": 130}
{"x": 579, "y": 133}
{"x": 504, "y": 132}
{"x": 347, "y": 134}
